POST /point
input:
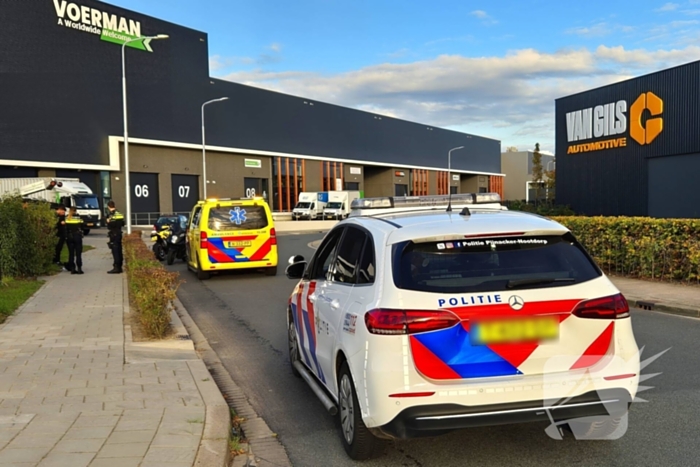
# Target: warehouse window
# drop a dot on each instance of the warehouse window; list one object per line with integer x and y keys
{"x": 288, "y": 181}
{"x": 331, "y": 172}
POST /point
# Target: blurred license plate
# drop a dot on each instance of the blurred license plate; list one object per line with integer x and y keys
{"x": 238, "y": 243}
{"x": 90, "y": 224}
{"x": 515, "y": 330}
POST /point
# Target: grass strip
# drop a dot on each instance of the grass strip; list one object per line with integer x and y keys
{"x": 13, "y": 293}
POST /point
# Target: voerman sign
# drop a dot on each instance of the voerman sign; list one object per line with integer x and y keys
{"x": 110, "y": 27}
{"x": 607, "y": 124}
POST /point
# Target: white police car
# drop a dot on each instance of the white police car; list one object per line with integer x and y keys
{"x": 410, "y": 320}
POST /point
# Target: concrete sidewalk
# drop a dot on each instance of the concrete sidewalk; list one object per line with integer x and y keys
{"x": 660, "y": 296}
{"x": 69, "y": 399}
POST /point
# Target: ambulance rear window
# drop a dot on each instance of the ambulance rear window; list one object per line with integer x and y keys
{"x": 483, "y": 265}
{"x": 227, "y": 218}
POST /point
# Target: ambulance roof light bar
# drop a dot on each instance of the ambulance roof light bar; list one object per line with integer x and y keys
{"x": 389, "y": 203}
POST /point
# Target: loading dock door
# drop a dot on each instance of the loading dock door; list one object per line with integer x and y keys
{"x": 252, "y": 187}
{"x": 144, "y": 192}
{"x": 185, "y": 192}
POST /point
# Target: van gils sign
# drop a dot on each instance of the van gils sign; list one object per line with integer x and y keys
{"x": 110, "y": 27}
{"x": 611, "y": 120}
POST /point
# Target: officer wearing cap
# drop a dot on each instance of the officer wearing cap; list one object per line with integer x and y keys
{"x": 74, "y": 240}
{"x": 115, "y": 222}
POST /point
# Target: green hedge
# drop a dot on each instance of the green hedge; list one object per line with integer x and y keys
{"x": 662, "y": 249}
{"x": 543, "y": 208}
{"x": 152, "y": 288}
{"x": 27, "y": 238}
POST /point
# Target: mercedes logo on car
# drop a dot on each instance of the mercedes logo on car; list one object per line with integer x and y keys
{"x": 516, "y": 302}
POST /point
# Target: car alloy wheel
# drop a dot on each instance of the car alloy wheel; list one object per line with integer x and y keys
{"x": 347, "y": 409}
{"x": 358, "y": 440}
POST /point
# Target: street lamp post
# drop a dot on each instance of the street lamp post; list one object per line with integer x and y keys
{"x": 449, "y": 177}
{"x": 204, "y": 146}
{"x": 126, "y": 124}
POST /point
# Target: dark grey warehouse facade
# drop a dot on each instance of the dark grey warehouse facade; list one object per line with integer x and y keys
{"x": 632, "y": 148}
{"x": 61, "y": 116}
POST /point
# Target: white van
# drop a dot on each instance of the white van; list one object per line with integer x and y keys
{"x": 339, "y": 202}
{"x": 310, "y": 206}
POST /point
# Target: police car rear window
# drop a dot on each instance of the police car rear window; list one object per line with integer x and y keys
{"x": 237, "y": 218}
{"x": 482, "y": 265}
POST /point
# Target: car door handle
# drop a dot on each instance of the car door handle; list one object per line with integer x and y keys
{"x": 335, "y": 304}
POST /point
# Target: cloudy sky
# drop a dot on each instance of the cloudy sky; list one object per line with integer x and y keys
{"x": 487, "y": 68}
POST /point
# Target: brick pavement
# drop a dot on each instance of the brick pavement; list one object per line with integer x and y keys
{"x": 68, "y": 399}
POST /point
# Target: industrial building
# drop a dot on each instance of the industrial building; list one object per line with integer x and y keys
{"x": 632, "y": 148}
{"x": 518, "y": 184}
{"x": 61, "y": 116}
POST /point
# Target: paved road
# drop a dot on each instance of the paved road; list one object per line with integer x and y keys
{"x": 243, "y": 317}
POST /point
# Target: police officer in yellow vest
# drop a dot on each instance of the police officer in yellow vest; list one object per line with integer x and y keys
{"x": 74, "y": 240}
{"x": 115, "y": 222}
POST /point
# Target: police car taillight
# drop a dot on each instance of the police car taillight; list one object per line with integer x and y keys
{"x": 613, "y": 307}
{"x": 399, "y": 322}
{"x": 203, "y": 241}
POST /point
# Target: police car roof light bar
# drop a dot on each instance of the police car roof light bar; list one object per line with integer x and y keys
{"x": 397, "y": 204}
{"x": 389, "y": 202}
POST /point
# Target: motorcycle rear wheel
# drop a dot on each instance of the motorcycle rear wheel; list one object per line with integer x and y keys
{"x": 159, "y": 252}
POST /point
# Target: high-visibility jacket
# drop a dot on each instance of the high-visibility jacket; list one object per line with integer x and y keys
{"x": 74, "y": 227}
{"x": 115, "y": 222}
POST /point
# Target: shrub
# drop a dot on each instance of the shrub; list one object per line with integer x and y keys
{"x": 27, "y": 238}
{"x": 151, "y": 287}
{"x": 541, "y": 208}
{"x": 663, "y": 249}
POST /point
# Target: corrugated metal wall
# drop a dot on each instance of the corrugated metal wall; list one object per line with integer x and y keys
{"x": 615, "y": 181}
{"x": 60, "y": 98}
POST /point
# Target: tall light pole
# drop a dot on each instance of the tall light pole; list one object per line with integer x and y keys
{"x": 204, "y": 146}
{"x": 146, "y": 40}
{"x": 449, "y": 177}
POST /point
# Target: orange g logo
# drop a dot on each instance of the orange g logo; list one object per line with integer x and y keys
{"x": 641, "y": 134}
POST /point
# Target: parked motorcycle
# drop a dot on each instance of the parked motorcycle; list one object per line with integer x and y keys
{"x": 161, "y": 239}
{"x": 176, "y": 245}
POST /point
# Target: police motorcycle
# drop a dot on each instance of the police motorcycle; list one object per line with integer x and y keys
{"x": 161, "y": 241}
{"x": 177, "y": 247}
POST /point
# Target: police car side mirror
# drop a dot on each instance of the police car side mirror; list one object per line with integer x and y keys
{"x": 295, "y": 259}
{"x": 296, "y": 270}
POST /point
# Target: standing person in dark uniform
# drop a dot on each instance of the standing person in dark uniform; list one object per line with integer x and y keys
{"x": 60, "y": 233}
{"x": 115, "y": 222}
{"x": 74, "y": 239}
